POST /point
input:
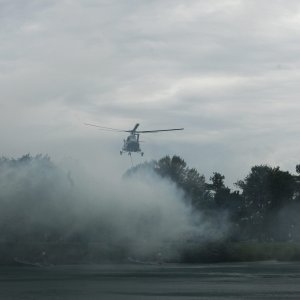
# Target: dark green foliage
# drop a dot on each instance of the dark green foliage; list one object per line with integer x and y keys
{"x": 267, "y": 188}
{"x": 266, "y": 191}
{"x": 173, "y": 168}
{"x": 217, "y": 181}
{"x": 223, "y": 197}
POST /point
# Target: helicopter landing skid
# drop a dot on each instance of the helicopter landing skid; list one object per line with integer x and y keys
{"x": 129, "y": 153}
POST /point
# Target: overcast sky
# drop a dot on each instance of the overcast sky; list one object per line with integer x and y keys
{"x": 227, "y": 71}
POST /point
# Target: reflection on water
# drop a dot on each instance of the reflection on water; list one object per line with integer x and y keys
{"x": 265, "y": 280}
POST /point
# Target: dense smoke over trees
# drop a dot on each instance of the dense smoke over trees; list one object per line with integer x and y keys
{"x": 47, "y": 216}
{"x": 255, "y": 209}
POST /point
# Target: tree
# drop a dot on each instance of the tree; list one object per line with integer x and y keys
{"x": 265, "y": 191}
{"x": 174, "y": 168}
{"x": 217, "y": 181}
{"x": 225, "y": 199}
{"x": 188, "y": 179}
{"x": 195, "y": 189}
{"x": 282, "y": 187}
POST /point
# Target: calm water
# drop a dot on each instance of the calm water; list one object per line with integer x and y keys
{"x": 266, "y": 280}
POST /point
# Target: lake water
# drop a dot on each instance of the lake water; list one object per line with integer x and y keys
{"x": 265, "y": 280}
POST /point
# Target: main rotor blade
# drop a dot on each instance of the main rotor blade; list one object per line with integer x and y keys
{"x": 106, "y": 128}
{"x": 159, "y": 130}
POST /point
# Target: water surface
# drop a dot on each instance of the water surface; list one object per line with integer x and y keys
{"x": 265, "y": 280}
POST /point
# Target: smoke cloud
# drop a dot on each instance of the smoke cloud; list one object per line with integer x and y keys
{"x": 99, "y": 217}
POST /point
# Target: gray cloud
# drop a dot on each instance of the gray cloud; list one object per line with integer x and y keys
{"x": 226, "y": 71}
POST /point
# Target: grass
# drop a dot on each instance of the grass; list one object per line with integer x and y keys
{"x": 242, "y": 251}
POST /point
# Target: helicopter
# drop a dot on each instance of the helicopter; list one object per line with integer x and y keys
{"x": 132, "y": 142}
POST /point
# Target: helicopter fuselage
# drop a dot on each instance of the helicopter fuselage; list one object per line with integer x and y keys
{"x": 131, "y": 144}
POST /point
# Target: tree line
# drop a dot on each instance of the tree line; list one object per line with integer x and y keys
{"x": 265, "y": 206}
{"x": 44, "y": 217}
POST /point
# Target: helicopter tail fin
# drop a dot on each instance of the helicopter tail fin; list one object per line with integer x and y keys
{"x": 135, "y": 127}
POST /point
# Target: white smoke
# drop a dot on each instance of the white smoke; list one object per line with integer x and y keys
{"x": 143, "y": 214}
